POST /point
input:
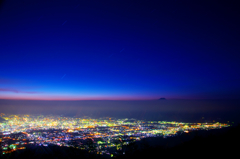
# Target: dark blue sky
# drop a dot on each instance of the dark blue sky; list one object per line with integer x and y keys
{"x": 70, "y": 50}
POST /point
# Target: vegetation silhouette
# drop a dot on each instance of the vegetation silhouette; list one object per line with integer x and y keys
{"x": 212, "y": 143}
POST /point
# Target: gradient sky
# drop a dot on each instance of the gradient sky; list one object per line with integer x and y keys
{"x": 119, "y": 50}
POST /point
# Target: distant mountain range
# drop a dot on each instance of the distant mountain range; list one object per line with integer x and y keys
{"x": 162, "y": 99}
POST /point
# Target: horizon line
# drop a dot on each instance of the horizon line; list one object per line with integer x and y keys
{"x": 119, "y": 99}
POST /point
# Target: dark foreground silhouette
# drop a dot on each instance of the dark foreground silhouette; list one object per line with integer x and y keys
{"x": 208, "y": 144}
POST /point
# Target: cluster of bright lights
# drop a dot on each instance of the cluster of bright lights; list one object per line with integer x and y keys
{"x": 79, "y": 129}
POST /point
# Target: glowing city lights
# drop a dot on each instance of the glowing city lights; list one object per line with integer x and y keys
{"x": 95, "y": 135}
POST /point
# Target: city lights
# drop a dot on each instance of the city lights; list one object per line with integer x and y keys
{"x": 95, "y": 135}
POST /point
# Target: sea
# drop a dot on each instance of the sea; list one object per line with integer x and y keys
{"x": 191, "y": 111}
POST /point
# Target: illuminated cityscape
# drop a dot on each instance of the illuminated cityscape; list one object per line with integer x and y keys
{"x": 100, "y": 136}
{"x": 84, "y": 79}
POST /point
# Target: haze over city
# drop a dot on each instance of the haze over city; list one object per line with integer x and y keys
{"x": 101, "y": 76}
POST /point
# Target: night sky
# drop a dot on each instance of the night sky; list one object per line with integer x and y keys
{"x": 119, "y": 50}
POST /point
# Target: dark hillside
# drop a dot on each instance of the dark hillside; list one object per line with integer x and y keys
{"x": 213, "y": 143}
{"x": 50, "y": 152}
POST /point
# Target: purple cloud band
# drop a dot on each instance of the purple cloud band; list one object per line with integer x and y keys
{"x": 16, "y": 91}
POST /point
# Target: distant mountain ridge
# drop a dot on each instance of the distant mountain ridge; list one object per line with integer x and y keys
{"x": 162, "y": 99}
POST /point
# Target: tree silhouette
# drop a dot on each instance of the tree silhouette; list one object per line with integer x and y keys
{"x": 90, "y": 144}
